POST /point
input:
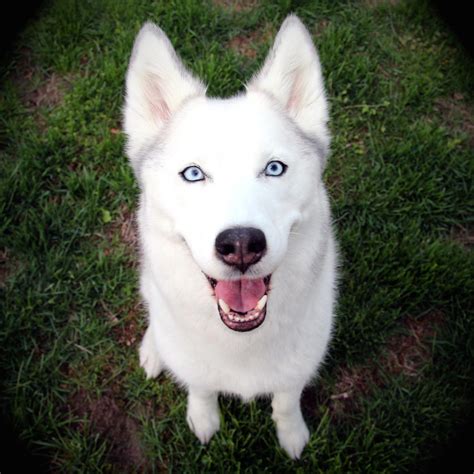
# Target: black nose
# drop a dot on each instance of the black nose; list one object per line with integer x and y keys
{"x": 241, "y": 246}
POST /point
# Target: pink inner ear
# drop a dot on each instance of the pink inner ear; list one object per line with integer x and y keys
{"x": 295, "y": 98}
{"x": 154, "y": 95}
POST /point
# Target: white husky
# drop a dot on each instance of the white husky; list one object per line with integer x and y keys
{"x": 238, "y": 259}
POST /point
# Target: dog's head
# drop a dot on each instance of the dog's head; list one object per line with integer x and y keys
{"x": 231, "y": 177}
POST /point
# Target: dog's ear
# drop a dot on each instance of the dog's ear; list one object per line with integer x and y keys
{"x": 292, "y": 75}
{"x": 157, "y": 84}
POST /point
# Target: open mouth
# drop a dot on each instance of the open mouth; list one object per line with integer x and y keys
{"x": 242, "y": 304}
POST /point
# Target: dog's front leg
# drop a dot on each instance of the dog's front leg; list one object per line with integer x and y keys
{"x": 149, "y": 358}
{"x": 291, "y": 428}
{"x": 203, "y": 413}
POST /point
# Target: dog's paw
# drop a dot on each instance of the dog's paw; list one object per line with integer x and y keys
{"x": 203, "y": 419}
{"x": 293, "y": 438}
{"x": 203, "y": 427}
{"x": 149, "y": 358}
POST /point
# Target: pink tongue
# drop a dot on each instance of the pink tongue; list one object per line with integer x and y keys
{"x": 240, "y": 295}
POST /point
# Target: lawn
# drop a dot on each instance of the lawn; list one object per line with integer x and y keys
{"x": 398, "y": 384}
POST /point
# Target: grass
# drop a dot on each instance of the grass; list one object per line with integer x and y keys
{"x": 398, "y": 383}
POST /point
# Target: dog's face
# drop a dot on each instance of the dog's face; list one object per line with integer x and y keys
{"x": 231, "y": 177}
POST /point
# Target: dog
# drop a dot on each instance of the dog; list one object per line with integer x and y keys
{"x": 238, "y": 257}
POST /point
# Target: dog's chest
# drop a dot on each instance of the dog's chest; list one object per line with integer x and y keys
{"x": 247, "y": 365}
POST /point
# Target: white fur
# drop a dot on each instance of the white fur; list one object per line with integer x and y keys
{"x": 171, "y": 124}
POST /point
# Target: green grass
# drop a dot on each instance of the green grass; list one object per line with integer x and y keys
{"x": 398, "y": 381}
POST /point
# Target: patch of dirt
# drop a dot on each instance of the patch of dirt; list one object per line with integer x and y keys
{"x": 125, "y": 226}
{"x": 463, "y": 236}
{"x": 38, "y": 90}
{"x": 24, "y": 69}
{"x": 246, "y": 44}
{"x": 333, "y": 178}
{"x": 319, "y": 28}
{"x": 236, "y": 5}
{"x": 4, "y": 270}
{"x": 406, "y": 354}
{"x": 108, "y": 418}
{"x": 128, "y": 227}
{"x": 378, "y": 3}
{"x": 457, "y": 115}
{"x": 352, "y": 384}
{"x": 344, "y": 398}
{"x": 49, "y": 93}
{"x": 8, "y": 266}
{"x": 128, "y": 333}
{"x": 125, "y": 321}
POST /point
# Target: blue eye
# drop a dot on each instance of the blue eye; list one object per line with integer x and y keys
{"x": 193, "y": 173}
{"x": 275, "y": 168}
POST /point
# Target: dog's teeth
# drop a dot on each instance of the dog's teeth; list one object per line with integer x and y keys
{"x": 251, "y": 316}
{"x": 262, "y": 302}
{"x": 224, "y": 306}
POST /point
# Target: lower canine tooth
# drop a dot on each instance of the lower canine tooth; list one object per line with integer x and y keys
{"x": 262, "y": 302}
{"x": 224, "y": 306}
